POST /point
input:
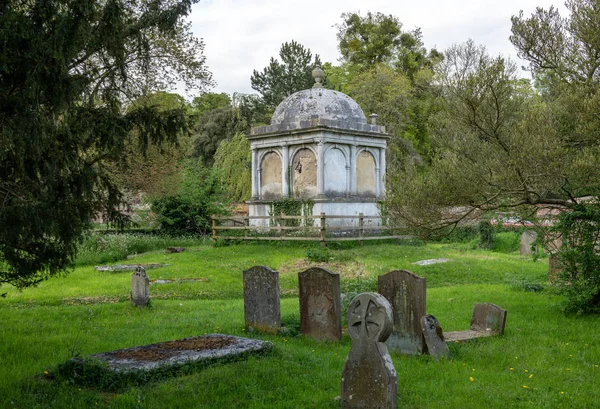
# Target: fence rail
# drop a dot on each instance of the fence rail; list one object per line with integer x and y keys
{"x": 280, "y": 227}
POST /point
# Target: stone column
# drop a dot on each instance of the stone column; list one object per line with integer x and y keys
{"x": 320, "y": 169}
{"x": 382, "y": 167}
{"x": 254, "y": 174}
{"x": 285, "y": 167}
{"x": 378, "y": 184}
{"x": 352, "y": 170}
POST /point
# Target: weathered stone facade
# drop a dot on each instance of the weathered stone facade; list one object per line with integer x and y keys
{"x": 319, "y": 146}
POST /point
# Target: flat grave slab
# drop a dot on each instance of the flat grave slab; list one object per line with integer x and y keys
{"x": 128, "y": 267}
{"x": 431, "y": 261}
{"x": 173, "y": 353}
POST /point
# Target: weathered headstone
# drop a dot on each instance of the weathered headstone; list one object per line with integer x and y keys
{"x": 140, "y": 287}
{"x": 369, "y": 379}
{"x": 407, "y": 294}
{"x": 261, "y": 299}
{"x": 528, "y": 238}
{"x": 175, "y": 250}
{"x": 320, "y": 304}
{"x": 434, "y": 337}
{"x": 488, "y": 317}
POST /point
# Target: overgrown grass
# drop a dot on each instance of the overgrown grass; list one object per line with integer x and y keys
{"x": 544, "y": 360}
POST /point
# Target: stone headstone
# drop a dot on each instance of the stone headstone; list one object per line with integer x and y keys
{"x": 488, "y": 317}
{"x": 434, "y": 337}
{"x": 140, "y": 287}
{"x": 175, "y": 250}
{"x": 528, "y": 238}
{"x": 406, "y": 292}
{"x": 320, "y": 304}
{"x": 554, "y": 267}
{"x": 261, "y": 299}
{"x": 369, "y": 379}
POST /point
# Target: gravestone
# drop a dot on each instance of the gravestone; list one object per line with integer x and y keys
{"x": 369, "y": 379}
{"x": 406, "y": 293}
{"x": 528, "y": 239}
{"x": 261, "y": 299}
{"x": 140, "y": 287}
{"x": 488, "y": 317}
{"x": 434, "y": 337}
{"x": 320, "y": 304}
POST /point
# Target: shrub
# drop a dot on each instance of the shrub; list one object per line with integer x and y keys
{"x": 318, "y": 255}
{"x": 579, "y": 256}
{"x": 486, "y": 235}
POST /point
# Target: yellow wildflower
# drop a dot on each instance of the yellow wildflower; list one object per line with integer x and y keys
{"x": 530, "y": 376}
{"x": 471, "y": 378}
{"x": 525, "y": 386}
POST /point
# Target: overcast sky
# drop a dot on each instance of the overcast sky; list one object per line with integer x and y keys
{"x": 242, "y": 35}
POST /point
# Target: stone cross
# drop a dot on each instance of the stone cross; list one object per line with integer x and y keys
{"x": 320, "y": 304}
{"x": 434, "y": 337}
{"x": 369, "y": 379}
{"x": 407, "y": 294}
{"x": 528, "y": 238}
{"x": 261, "y": 299}
{"x": 140, "y": 287}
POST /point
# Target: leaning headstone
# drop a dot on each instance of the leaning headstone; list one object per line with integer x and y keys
{"x": 140, "y": 287}
{"x": 434, "y": 337}
{"x": 369, "y": 379}
{"x": 261, "y": 299}
{"x": 528, "y": 239}
{"x": 488, "y": 317}
{"x": 406, "y": 292}
{"x": 320, "y": 304}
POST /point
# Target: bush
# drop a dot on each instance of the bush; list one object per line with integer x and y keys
{"x": 198, "y": 197}
{"x": 318, "y": 255}
{"x": 579, "y": 256}
{"x": 486, "y": 235}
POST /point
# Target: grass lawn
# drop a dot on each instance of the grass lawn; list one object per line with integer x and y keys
{"x": 544, "y": 360}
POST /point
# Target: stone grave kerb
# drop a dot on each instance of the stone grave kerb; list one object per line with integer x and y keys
{"x": 320, "y": 304}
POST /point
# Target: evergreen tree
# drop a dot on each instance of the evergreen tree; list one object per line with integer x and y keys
{"x": 67, "y": 72}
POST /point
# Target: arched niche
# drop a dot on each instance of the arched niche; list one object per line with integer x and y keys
{"x": 366, "y": 177}
{"x": 336, "y": 179}
{"x": 304, "y": 174}
{"x": 270, "y": 176}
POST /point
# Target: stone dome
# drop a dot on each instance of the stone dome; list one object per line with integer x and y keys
{"x": 318, "y": 104}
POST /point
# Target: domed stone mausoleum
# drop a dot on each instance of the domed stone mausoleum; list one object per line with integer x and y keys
{"x": 321, "y": 149}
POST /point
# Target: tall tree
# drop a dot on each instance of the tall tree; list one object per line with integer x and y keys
{"x": 279, "y": 80}
{"x": 67, "y": 71}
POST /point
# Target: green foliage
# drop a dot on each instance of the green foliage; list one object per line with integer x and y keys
{"x": 199, "y": 197}
{"x": 279, "y": 80}
{"x": 67, "y": 70}
{"x": 291, "y": 207}
{"x": 212, "y": 128}
{"x": 486, "y": 235}
{"x": 506, "y": 242}
{"x": 579, "y": 279}
{"x": 318, "y": 254}
{"x": 210, "y": 101}
{"x": 233, "y": 159}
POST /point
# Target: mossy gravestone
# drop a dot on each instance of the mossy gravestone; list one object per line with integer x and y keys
{"x": 140, "y": 287}
{"x": 320, "y": 304}
{"x": 261, "y": 299}
{"x": 407, "y": 294}
{"x": 369, "y": 380}
{"x": 528, "y": 239}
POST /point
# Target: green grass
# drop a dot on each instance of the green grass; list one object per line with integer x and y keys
{"x": 88, "y": 312}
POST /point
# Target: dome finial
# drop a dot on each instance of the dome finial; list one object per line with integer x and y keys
{"x": 318, "y": 75}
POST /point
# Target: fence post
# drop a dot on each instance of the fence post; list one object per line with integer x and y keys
{"x": 282, "y": 227}
{"x": 214, "y": 228}
{"x": 361, "y": 223}
{"x": 246, "y": 224}
{"x": 323, "y": 229}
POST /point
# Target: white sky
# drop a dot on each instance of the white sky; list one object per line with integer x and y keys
{"x": 242, "y": 35}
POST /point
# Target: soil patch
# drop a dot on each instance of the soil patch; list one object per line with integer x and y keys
{"x": 165, "y": 350}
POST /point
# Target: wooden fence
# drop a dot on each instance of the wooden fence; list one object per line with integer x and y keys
{"x": 303, "y": 228}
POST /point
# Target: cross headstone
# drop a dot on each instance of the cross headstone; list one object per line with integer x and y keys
{"x": 369, "y": 379}
{"x": 434, "y": 337}
{"x": 528, "y": 238}
{"x": 261, "y": 299}
{"x": 407, "y": 294}
{"x": 140, "y": 287}
{"x": 320, "y": 304}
